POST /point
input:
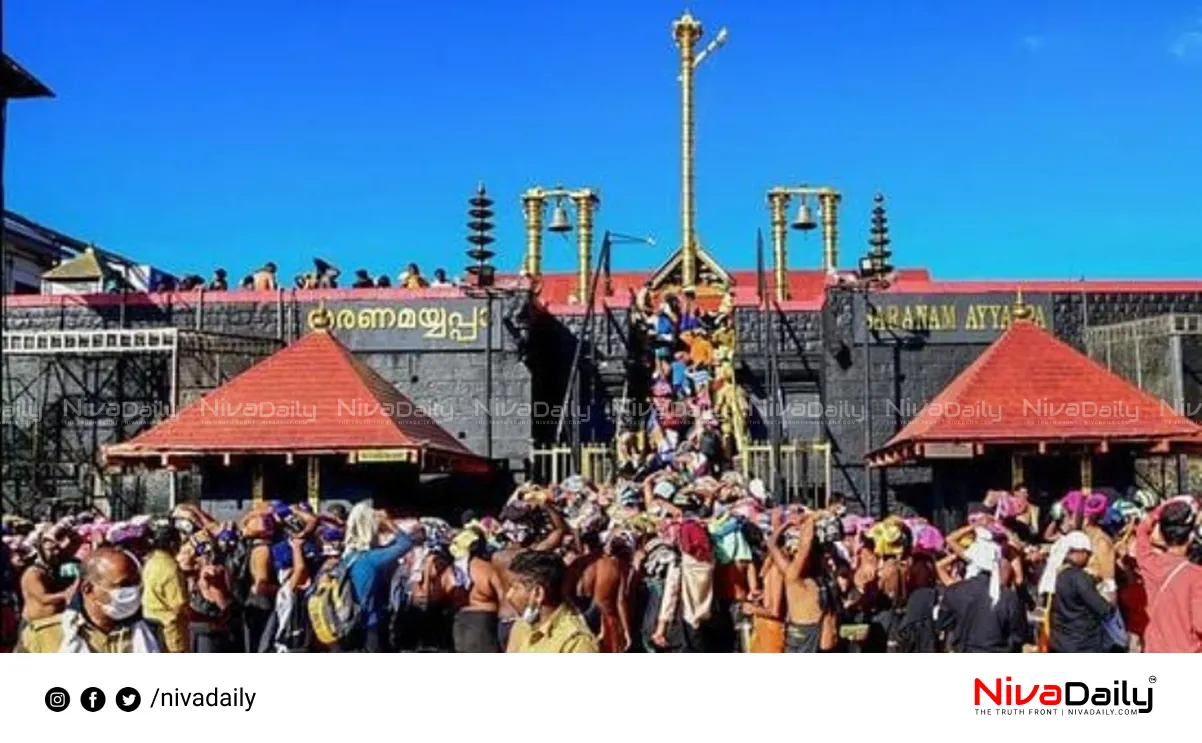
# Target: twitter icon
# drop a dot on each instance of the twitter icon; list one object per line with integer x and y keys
{"x": 128, "y": 699}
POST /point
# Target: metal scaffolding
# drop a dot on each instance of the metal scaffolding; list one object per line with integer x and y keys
{"x": 1147, "y": 352}
{"x": 1150, "y": 353}
{"x": 68, "y": 393}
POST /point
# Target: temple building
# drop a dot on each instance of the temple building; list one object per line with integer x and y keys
{"x": 896, "y": 388}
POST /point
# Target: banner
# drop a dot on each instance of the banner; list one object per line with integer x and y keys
{"x": 984, "y": 697}
{"x": 945, "y": 318}
{"x": 452, "y": 324}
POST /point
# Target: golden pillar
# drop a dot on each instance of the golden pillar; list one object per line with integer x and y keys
{"x": 584, "y": 200}
{"x": 828, "y": 202}
{"x": 314, "y": 483}
{"x": 1016, "y": 470}
{"x": 687, "y": 32}
{"x": 532, "y": 206}
{"x": 778, "y": 200}
{"x": 1086, "y": 473}
{"x": 256, "y": 482}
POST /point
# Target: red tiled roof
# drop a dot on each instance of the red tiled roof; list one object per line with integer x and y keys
{"x": 1030, "y": 387}
{"x": 314, "y": 396}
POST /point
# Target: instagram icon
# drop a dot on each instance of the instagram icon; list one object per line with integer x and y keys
{"x": 57, "y": 699}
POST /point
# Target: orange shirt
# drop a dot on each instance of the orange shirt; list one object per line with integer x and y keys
{"x": 701, "y": 351}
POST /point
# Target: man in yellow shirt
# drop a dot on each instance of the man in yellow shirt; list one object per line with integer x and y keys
{"x": 547, "y": 624}
{"x": 164, "y": 593}
{"x": 103, "y": 617}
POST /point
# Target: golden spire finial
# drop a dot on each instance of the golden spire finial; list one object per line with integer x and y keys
{"x": 1022, "y": 310}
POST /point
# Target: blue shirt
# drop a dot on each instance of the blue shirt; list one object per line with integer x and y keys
{"x": 680, "y": 375}
{"x": 665, "y": 327}
{"x": 370, "y": 573}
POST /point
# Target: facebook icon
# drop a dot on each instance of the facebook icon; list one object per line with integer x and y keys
{"x": 92, "y": 699}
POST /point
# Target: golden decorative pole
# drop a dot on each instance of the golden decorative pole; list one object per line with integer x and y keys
{"x": 314, "y": 483}
{"x": 533, "y": 203}
{"x": 687, "y": 31}
{"x": 1087, "y": 473}
{"x": 584, "y": 200}
{"x": 778, "y": 200}
{"x": 828, "y": 203}
{"x": 1017, "y": 476}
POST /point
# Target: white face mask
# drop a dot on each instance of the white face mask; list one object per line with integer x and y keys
{"x": 530, "y": 613}
{"x": 123, "y": 603}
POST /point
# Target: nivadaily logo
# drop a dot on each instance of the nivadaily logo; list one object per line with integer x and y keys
{"x": 1070, "y": 697}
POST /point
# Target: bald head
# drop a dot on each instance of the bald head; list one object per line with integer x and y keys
{"x": 111, "y": 568}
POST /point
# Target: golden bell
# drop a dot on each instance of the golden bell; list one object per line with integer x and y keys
{"x": 805, "y": 218}
{"x": 559, "y": 220}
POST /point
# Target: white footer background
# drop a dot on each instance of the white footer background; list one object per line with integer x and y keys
{"x": 633, "y": 697}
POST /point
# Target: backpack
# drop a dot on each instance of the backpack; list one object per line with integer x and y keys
{"x": 292, "y": 633}
{"x": 237, "y": 564}
{"x": 334, "y": 612}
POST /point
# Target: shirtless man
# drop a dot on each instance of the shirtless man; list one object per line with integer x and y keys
{"x": 257, "y": 528}
{"x": 806, "y": 617}
{"x": 603, "y": 585}
{"x": 1102, "y": 559}
{"x": 768, "y": 613}
{"x": 45, "y": 590}
{"x": 501, "y": 559}
{"x": 476, "y": 627}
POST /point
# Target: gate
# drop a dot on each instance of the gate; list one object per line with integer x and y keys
{"x": 806, "y": 466}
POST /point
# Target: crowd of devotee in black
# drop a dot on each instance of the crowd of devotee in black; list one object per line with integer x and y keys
{"x": 676, "y": 562}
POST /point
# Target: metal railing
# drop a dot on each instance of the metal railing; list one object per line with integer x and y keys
{"x": 553, "y": 464}
{"x": 805, "y": 466}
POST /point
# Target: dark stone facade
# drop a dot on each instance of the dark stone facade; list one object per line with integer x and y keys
{"x": 451, "y": 385}
{"x": 821, "y": 372}
{"x": 905, "y": 376}
{"x": 1191, "y": 357}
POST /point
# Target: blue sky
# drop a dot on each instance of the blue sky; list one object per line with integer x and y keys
{"x": 1013, "y": 139}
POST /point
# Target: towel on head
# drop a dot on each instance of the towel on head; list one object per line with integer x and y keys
{"x": 887, "y": 538}
{"x": 1096, "y": 505}
{"x": 664, "y": 489}
{"x": 1073, "y": 503}
{"x": 1009, "y": 506}
{"x": 984, "y": 556}
{"x": 853, "y": 525}
{"x": 1060, "y": 550}
{"x": 1077, "y": 540}
{"x": 828, "y": 529}
{"x": 928, "y": 539}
